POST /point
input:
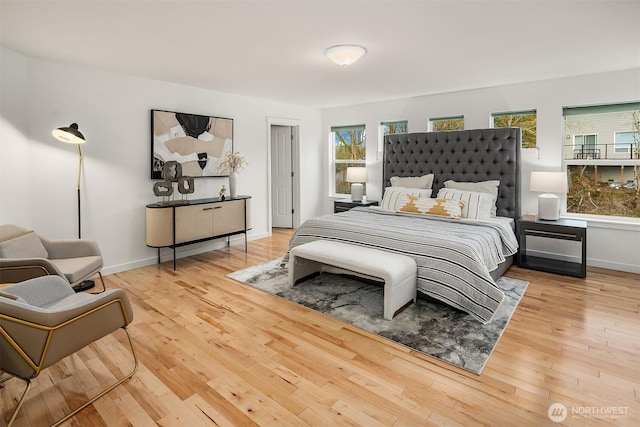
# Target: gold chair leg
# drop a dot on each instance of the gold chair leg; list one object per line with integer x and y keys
{"x": 20, "y": 402}
{"x": 107, "y": 390}
{"x": 90, "y": 401}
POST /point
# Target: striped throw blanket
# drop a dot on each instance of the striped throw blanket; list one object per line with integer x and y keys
{"x": 454, "y": 257}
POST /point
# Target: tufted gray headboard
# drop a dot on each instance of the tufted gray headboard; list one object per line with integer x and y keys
{"x": 467, "y": 155}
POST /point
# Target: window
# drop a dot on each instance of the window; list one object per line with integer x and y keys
{"x": 387, "y": 128}
{"x": 400, "y": 126}
{"x": 349, "y": 149}
{"x": 446, "y": 123}
{"x": 585, "y": 147}
{"x": 624, "y": 142}
{"x": 525, "y": 120}
{"x": 601, "y": 155}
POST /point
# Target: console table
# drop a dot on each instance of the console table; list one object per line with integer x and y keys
{"x": 171, "y": 225}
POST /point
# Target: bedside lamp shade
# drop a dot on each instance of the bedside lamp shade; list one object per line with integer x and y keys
{"x": 356, "y": 175}
{"x": 547, "y": 183}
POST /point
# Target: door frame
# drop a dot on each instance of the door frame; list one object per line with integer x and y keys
{"x": 295, "y": 165}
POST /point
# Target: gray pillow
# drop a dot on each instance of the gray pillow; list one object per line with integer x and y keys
{"x": 25, "y": 246}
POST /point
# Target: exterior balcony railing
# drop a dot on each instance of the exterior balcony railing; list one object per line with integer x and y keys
{"x": 602, "y": 152}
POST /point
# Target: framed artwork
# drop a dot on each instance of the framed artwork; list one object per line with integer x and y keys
{"x": 198, "y": 143}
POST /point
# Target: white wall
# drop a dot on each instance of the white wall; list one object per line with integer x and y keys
{"x": 38, "y": 174}
{"x": 610, "y": 246}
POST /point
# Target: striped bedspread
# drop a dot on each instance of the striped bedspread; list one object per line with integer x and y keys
{"x": 454, "y": 257}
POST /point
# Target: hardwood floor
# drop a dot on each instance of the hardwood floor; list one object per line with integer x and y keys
{"x": 214, "y": 352}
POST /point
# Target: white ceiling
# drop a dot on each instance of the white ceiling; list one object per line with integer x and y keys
{"x": 275, "y": 49}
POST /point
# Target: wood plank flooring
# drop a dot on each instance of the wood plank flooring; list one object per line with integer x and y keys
{"x": 214, "y": 352}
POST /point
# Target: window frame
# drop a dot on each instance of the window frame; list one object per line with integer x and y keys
{"x": 382, "y": 131}
{"x": 611, "y": 168}
{"x": 626, "y": 146}
{"x": 432, "y": 120}
{"x": 335, "y": 162}
{"x": 533, "y": 111}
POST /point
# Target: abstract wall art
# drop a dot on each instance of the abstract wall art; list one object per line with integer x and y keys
{"x": 197, "y": 143}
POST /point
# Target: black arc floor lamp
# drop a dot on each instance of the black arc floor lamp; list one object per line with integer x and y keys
{"x": 71, "y": 135}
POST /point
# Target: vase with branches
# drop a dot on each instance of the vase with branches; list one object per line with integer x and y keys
{"x": 233, "y": 162}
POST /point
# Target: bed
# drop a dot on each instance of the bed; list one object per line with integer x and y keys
{"x": 458, "y": 260}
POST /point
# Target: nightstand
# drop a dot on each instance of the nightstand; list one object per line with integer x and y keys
{"x": 561, "y": 229}
{"x": 343, "y": 205}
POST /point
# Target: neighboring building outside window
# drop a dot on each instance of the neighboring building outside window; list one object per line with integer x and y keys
{"x": 601, "y": 156}
{"x": 349, "y": 149}
{"x": 525, "y": 120}
{"x": 446, "y": 123}
{"x": 388, "y": 128}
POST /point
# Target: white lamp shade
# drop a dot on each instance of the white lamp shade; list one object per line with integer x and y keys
{"x": 548, "y": 182}
{"x": 356, "y": 174}
{"x": 345, "y": 55}
{"x": 70, "y": 134}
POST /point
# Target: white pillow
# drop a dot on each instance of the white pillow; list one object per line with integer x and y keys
{"x": 398, "y": 196}
{"x": 424, "y": 181}
{"x": 428, "y": 206}
{"x": 490, "y": 187}
{"x": 476, "y": 205}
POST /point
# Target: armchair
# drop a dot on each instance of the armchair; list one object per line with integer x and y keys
{"x": 25, "y": 255}
{"x": 43, "y": 320}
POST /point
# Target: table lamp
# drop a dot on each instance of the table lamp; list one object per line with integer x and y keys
{"x": 548, "y": 183}
{"x": 356, "y": 176}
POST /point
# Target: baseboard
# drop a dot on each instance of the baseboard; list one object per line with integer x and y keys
{"x": 627, "y": 268}
{"x": 166, "y": 254}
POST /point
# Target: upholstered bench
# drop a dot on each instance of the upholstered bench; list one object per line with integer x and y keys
{"x": 397, "y": 271}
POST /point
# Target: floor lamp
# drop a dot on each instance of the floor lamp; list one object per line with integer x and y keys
{"x": 71, "y": 135}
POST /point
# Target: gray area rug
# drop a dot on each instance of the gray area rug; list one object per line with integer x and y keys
{"x": 428, "y": 326}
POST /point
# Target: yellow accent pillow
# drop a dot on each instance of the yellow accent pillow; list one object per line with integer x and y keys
{"x": 427, "y": 206}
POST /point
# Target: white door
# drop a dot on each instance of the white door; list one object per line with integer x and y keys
{"x": 281, "y": 176}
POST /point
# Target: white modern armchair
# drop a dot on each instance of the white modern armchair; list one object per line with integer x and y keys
{"x": 25, "y": 255}
{"x": 43, "y": 320}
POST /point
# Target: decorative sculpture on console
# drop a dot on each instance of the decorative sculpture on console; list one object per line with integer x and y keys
{"x": 186, "y": 186}
{"x": 172, "y": 172}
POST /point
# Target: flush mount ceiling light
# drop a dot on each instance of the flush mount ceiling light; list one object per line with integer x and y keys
{"x": 345, "y": 54}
